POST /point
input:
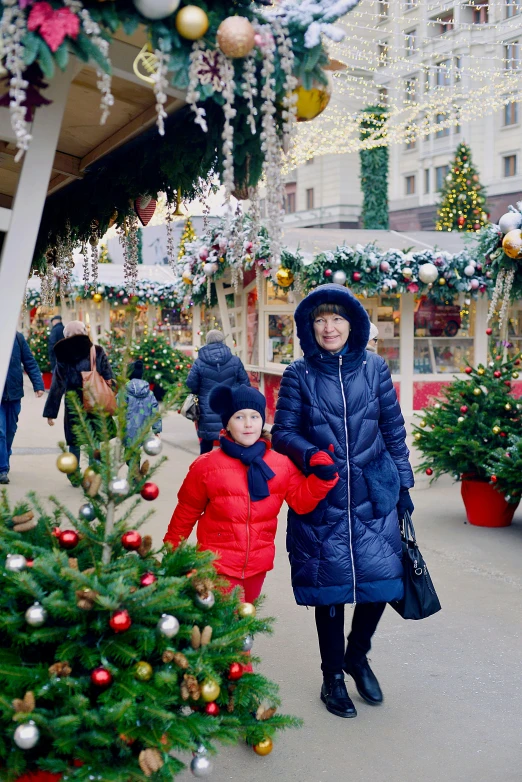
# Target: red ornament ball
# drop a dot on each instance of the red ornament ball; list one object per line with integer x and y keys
{"x": 147, "y": 579}
{"x": 68, "y": 539}
{"x": 503, "y": 434}
{"x": 212, "y": 709}
{"x": 30, "y": 562}
{"x": 429, "y": 471}
{"x": 131, "y": 540}
{"x": 235, "y": 671}
{"x": 356, "y": 276}
{"x": 489, "y": 332}
{"x": 493, "y": 479}
{"x": 517, "y": 362}
{"x": 101, "y": 677}
{"x": 498, "y": 358}
{"x": 497, "y": 373}
{"x": 507, "y": 383}
{"x": 150, "y": 491}
{"x": 464, "y": 409}
{"x": 468, "y": 370}
{"x": 461, "y": 220}
{"x": 120, "y": 621}
{"x": 327, "y": 272}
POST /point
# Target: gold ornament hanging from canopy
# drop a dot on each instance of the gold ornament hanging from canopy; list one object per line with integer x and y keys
{"x": 236, "y": 37}
{"x": 284, "y": 277}
{"x": 512, "y": 244}
{"x": 191, "y": 22}
{"x": 312, "y": 102}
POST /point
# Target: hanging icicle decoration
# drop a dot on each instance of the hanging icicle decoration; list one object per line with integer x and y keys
{"x": 171, "y": 254}
{"x": 497, "y": 292}
{"x": 131, "y": 254}
{"x": 249, "y": 88}
{"x": 229, "y": 112}
{"x": 209, "y": 291}
{"x": 160, "y": 84}
{"x": 12, "y": 33}
{"x": 93, "y": 241}
{"x": 47, "y": 286}
{"x": 289, "y": 113}
{"x": 193, "y": 94}
{"x": 85, "y": 264}
{"x": 506, "y": 297}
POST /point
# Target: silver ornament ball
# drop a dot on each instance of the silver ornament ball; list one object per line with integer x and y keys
{"x": 205, "y": 602}
{"x": 152, "y": 446}
{"x": 119, "y": 487}
{"x": 156, "y": 9}
{"x": 26, "y": 736}
{"x": 201, "y": 766}
{"x": 248, "y": 643}
{"x": 509, "y": 222}
{"x": 428, "y": 272}
{"x": 36, "y": 615}
{"x": 168, "y": 625}
{"x": 469, "y": 270}
{"x": 15, "y": 563}
{"x": 87, "y": 512}
{"x": 339, "y": 277}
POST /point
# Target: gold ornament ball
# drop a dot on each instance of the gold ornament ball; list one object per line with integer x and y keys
{"x": 235, "y": 36}
{"x": 422, "y": 424}
{"x": 97, "y": 298}
{"x": 477, "y": 391}
{"x": 417, "y": 436}
{"x": 284, "y": 277}
{"x": 210, "y": 690}
{"x": 515, "y": 375}
{"x": 191, "y": 22}
{"x": 480, "y": 371}
{"x": 312, "y": 102}
{"x": 507, "y": 406}
{"x": 143, "y": 671}
{"x": 264, "y": 747}
{"x": 442, "y": 281}
{"x": 186, "y": 279}
{"x": 496, "y": 429}
{"x": 67, "y": 463}
{"x": 512, "y": 243}
{"x": 247, "y": 610}
{"x": 89, "y": 474}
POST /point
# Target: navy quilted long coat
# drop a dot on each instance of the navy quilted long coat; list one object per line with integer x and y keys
{"x": 348, "y": 549}
{"x": 215, "y": 364}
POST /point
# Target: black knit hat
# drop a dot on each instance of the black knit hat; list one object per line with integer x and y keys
{"x": 135, "y": 370}
{"x": 226, "y": 401}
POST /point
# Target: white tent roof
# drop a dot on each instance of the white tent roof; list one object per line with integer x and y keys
{"x": 113, "y": 274}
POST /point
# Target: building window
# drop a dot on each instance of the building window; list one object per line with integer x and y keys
{"x": 310, "y": 198}
{"x": 441, "y": 172}
{"x": 410, "y": 4}
{"x": 511, "y": 113}
{"x": 382, "y": 54}
{"x": 383, "y": 97}
{"x": 443, "y": 335}
{"x": 383, "y": 8}
{"x": 409, "y": 39}
{"x": 290, "y": 203}
{"x": 410, "y": 144}
{"x": 310, "y": 161}
{"x": 426, "y": 181}
{"x": 512, "y": 56}
{"x": 409, "y": 183}
{"x": 443, "y": 132}
{"x": 510, "y": 165}
{"x": 411, "y": 87}
{"x": 512, "y": 8}
{"x": 457, "y": 62}
{"x": 480, "y": 14}
{"x": 445, "y": 23}
{"x": 443, "y": 73}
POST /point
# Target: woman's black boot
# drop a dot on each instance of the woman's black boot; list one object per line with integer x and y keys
{"x": 335, "y": 696}
{"x": 365, "y": 680}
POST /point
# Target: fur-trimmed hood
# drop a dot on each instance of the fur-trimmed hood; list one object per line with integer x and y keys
{"x": 332, "y": 294}
{"x": 72, "y": 349}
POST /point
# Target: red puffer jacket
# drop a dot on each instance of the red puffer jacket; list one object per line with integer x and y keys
{"x": 215, "y": 494}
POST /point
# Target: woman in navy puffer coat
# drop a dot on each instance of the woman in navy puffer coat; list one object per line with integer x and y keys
{"x": 215, "y": 365}
{"x": 340, "y": 398}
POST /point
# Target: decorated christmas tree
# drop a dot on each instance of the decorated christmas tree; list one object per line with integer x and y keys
{"x": 458, "y": 433}
{"x": 188, "y": 235}
{"x": 38, "y": 341}
{"x": 463, "y": 198}
{"x": 115, "y": 656}
{"x": 104, "y": 256}
{"x": 505, "y": 466}
{"x": 164, "y": 366}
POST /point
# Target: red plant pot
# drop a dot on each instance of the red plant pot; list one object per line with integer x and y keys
{"x": 485, "y": 506}
{"x": 39, "y": 776}
{"x": 47, "y": 380}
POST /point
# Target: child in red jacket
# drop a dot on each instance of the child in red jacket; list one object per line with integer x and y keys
{"x": 235, "y": 492}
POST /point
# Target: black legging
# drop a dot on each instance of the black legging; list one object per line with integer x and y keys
{"x": 330, "y": 631}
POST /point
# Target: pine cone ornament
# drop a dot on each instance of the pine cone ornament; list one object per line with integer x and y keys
{"x": 180, "y": 660}
{"x": 94, "y": 486}
{"x": 263, "y": 713}
{"x": 206, "y": 635}
{"x": 145, "y": 547}
{"x": 24, "y": 522}
{"x": 195, "y": 637}
{"x": 25, "y": 705}
{"x": 150, "y": 761}
{"x": 202, "y": 586}
{"x": 73, "y": 563}
{"x": 60, "y": 670}
{"x": 145, "y": 467}
{"x": 192, "y": 685}
{"x": 85, "y": 599}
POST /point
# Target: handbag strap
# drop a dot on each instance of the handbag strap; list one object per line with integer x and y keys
{"x": 93, "y": 358}
{"x": 408, "y": 528}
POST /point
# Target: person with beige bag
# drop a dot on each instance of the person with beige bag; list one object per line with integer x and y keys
{"x": 80, "y": 365}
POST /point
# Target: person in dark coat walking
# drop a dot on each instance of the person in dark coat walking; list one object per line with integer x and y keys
{"x": 73, "y": 356}
{"x": 340, "y": 398}
{"x": 12, "y": 394}
{"x": 55, "y": 336}
{"x": 215, "y": 365}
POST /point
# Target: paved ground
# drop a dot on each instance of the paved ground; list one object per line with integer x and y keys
{"x": 452, "y": 683}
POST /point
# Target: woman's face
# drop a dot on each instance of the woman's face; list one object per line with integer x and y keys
{"x": 331, "y": 332}
{"x": 245, "y": 427}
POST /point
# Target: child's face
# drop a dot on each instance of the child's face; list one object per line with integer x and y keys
{"x": 245, "y": 427}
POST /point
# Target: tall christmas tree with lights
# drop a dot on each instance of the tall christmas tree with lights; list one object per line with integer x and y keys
{"x": 463, "y": 198}
{"x": 38, "y": 341}
{"x": 113, "y": 660}
{"x": 188, "y": 235}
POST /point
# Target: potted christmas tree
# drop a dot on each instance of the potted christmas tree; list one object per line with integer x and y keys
{"x": 165, "y": 368}
{"x": 115, "y": 656}
{"x": 38, "y": 341}
{"x": 458, "y": 433}
{"x": 463, "y": 199}
{"x": 505, "y": 465}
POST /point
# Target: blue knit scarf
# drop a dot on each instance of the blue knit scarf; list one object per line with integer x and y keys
{"x": 259, "y": 473}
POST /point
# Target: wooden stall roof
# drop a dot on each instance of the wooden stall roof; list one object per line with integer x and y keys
{"x": 82, "y": 139}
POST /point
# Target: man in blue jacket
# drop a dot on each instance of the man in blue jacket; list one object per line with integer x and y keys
{"x": 21, "y": 358}
{"x": 55, "y": 336}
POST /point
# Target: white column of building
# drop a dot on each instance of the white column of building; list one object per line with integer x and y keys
{"x": 406, "y": 353}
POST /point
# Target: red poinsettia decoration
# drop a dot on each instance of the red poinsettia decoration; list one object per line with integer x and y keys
{"x": 54, "y": 24}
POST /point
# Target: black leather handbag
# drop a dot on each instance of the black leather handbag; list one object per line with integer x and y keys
{"x": 420, "y": 599}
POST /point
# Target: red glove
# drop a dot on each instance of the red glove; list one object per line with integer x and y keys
{"x": 323, "y": 466}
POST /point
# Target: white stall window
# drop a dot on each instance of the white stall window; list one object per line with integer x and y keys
{"x": 279, "y": 338}
{"x": 444, "y": 335}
